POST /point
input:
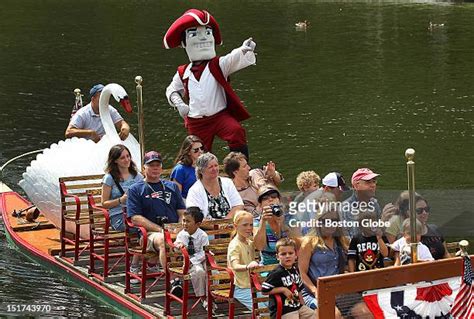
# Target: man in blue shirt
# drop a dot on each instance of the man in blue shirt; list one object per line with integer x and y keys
{"x": 86, "y": 123}
{"x": 152, "y": 199}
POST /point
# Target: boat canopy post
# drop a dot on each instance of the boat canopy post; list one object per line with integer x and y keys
{"x": 410, "y": 156}
{"x": 141, "y": 123}
{"x": 464, "y": 246}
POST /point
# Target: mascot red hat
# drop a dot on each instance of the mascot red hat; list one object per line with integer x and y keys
{"x": 191, "y": 18}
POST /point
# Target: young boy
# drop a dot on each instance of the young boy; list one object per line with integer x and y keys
{"x": 285, "y": 280}
{"x": 194, "y": 239}
{"x": 402, "y": 246}
{"x": 368, "y": 248}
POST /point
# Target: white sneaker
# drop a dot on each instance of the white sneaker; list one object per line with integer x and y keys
{"x": 135, "y": 270}
{"x": 153, "y": 269}
{"x": 204, "y": 305}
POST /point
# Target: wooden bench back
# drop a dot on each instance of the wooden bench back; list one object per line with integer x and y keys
{"x": 74, "y": 191}
{"x": 219, "y": 237}
{"x": 99, "y": 218}
{"x": 256, "y": 280}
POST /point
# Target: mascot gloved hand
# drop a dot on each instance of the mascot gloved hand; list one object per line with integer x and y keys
{"x": 177, "y": 101}
{"x": 200, "y": 90}
{"x": 248, "y": 45}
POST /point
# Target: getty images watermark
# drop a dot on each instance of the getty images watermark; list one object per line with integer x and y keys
{"x": 316, "y": 208}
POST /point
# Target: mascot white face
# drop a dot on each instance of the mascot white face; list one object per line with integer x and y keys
{"x": 199, "y": 43}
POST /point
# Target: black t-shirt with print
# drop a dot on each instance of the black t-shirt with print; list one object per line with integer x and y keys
{"x": 282, "y": 277}
{"x": 434, "y": 240}
{"x": 366, "y": 252}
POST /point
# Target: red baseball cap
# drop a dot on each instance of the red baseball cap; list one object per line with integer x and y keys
{"x": 189, "y": 19}
{"x": 364, "y": 174}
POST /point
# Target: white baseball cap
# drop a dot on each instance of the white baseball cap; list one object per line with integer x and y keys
{"x": 335, "y": 179}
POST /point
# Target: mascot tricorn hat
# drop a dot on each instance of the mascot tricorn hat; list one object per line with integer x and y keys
{"x": 191, "y": 18}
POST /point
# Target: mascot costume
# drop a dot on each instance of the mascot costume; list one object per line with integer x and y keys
{"x": 200, "y": 90}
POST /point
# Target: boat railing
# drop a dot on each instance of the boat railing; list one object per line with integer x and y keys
{"x": 331, "y": 287}
{"x": 2, "y": 168}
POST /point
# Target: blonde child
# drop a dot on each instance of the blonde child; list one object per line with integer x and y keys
{"x": 402, "y": 246}
{"x": 241, "y": 256}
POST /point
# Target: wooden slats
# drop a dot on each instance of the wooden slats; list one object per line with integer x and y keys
{"x": 218, "y": 249}
{"x": 84, "y": 186}
{"x": 219, "y": 241}
{"x": 84, "y": 211}
{"x": 255, "y": 274}
{"x": 222, "y": 293}
{"x": 221, "y": 231}
{"x": 175, "y": 264}
{"x": 71, "y": 201}
{"x": 80, "y": 178}
{"x": 219, "y": 276}
{"x": 221, "y": 259}
{"x": 220, "y": 286}
{"x": 261, "y": 310}
{"x": 176, "y": 270}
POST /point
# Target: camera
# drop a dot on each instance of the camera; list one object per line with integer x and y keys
{"x": 161, "y": 221}
{"x": 276, "y": 210}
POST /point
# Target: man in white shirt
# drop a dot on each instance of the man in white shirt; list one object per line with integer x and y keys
{"x": 212, "y": 108}
{"x": 86, "y": 123}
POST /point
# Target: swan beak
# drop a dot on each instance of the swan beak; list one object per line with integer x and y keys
{"x": 125, "y": 102}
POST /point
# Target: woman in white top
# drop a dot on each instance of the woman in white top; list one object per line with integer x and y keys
{"x": 216, "y": 196}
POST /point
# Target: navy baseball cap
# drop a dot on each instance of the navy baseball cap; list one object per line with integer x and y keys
{"x": 96, "y": 88}
{"x": 152, "y": 156}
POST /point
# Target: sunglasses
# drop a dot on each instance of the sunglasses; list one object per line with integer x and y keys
{"x": 197, "y": 149}
{"x": 272, "y": 195}
{"x": 420, "y": 210}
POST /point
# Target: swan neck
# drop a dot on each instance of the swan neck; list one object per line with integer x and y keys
{"x": 104, "y": 112}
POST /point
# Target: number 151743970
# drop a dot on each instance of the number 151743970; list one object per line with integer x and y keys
{"x": 25, "y": 308}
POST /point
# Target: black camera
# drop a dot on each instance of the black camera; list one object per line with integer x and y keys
{"x": 161, "y": 221}
{"x": 276, "y": 210}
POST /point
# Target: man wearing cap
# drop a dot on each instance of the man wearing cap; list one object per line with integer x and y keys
{"x": 364, "y": 183}
{"x": 334, "y": 186}
{"x": 212, "y": 108}
{"x": 152, "y": 199}
{"x": 86, "y": 123}
{"x": 334, "y": 183}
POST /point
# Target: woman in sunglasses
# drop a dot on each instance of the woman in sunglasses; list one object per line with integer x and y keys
{"x": 430, "y": 235}
{"x": 184, "y": 172}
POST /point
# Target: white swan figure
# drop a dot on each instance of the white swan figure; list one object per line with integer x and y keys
{"x": 75, "y": 157}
